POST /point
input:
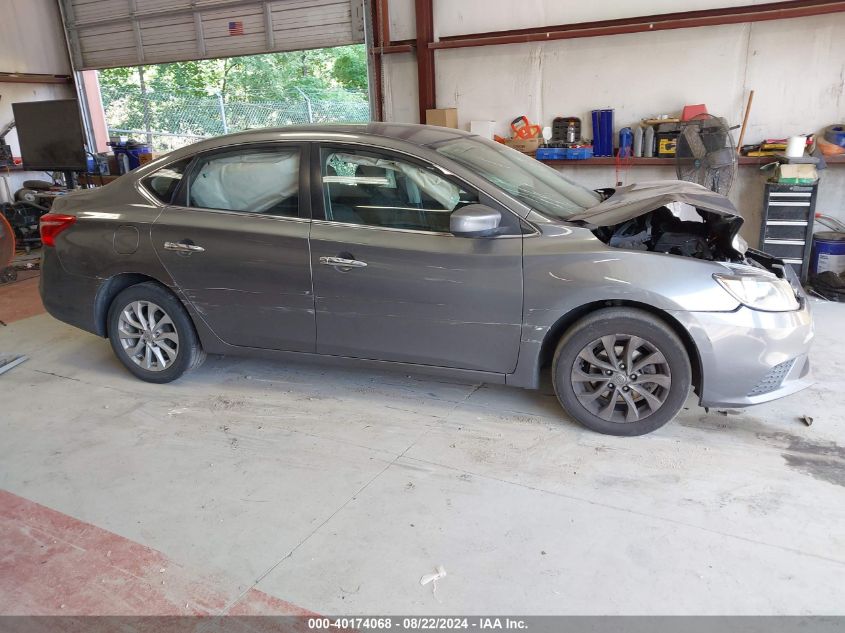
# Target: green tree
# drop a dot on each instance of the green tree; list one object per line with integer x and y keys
{"x": 350, "y": 68}
{"x": 181, "y": 97}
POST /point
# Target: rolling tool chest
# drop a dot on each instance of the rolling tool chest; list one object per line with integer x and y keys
{"x": 786, "y": 230}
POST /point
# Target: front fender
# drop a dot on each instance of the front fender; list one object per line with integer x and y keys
{"x": 567, "y": 268}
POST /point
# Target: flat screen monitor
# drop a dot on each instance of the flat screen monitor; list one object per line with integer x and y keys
{"x": 50, "y": 135}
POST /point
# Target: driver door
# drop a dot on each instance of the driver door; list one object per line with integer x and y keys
{"x": 415, "y": 293}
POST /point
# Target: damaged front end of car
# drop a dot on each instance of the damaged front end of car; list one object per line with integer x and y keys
{"x": 676, "y": 218}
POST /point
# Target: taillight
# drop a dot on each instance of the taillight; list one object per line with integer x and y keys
{"x": 52, "y": 224}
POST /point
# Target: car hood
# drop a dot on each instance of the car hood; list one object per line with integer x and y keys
{"x": 637, "y": 199}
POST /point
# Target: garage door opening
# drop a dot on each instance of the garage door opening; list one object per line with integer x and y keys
{"x": 172, "y": 105}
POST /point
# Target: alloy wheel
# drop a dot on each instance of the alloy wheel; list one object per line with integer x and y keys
{"x": 148, "y": 336}
{"x": 621, "y": 378}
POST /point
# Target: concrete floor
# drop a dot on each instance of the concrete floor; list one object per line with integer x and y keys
{"x": 332, "y": 490}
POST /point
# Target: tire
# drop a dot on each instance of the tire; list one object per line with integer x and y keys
{"x": 157, "y": 355}
{"x": 645, "y": 397}
{"x": 26, "y": 195}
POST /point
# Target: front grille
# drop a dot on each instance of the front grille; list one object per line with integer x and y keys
{"x": 773, "y": 379}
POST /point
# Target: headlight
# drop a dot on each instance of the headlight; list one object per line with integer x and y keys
{"x": 761, "y": 293}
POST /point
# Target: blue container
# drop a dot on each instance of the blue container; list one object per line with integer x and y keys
{"x": 626, "y": 142}
{"x": 596, "y": 132}
{"x": 607, "y": 132}
{"x": 602, "y": 132}
{"x": 828, "y": 252}
{"x": 128, "y": 154}
{"x": 549, "y": 153}
{"x": 578, "y": 153}
{"x": 563, "y": 153}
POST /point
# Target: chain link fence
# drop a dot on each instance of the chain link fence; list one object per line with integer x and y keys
{"x": 170, "y": 121}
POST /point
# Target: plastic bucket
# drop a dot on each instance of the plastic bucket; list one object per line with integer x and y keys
{"x": 828, "y": 252}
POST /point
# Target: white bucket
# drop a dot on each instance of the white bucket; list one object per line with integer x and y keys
{"x": 795, "y": 146}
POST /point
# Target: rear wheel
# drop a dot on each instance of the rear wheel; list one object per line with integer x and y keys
{"x": 621, "y": 371}
{"x": 152, "y": 334}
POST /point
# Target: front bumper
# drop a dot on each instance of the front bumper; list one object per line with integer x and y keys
{"x": 749, "y": 357}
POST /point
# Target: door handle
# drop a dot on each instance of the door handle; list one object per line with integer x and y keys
{"x": 183, "y": 247}
{"x": 342, "y": 262}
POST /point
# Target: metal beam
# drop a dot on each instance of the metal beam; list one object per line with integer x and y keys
{"x": 378, "y": 29}
{"x": 425, "y": 55}
{"x": 71, "y": 35}
{"x": 136, "y": 28}
{"x": 269, "y": 36}
{"x": 396, "y": 47}
{"x": 33, "y": 78}
{"x": 642, "y": 24}
{"x": 198, "y": 31}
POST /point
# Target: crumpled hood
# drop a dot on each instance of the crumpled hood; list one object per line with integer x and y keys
{"x": 636, "y": 199}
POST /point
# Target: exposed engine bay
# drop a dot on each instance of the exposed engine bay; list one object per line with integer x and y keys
{"x": 709, "y": 236}
{"x": 676, "y": 218}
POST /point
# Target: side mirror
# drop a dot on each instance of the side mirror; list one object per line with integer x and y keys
{"x": 474, "y": 220}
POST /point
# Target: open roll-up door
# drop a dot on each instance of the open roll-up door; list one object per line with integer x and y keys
{"x": 110, "y": 33}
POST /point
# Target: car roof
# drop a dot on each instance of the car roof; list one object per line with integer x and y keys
{"x": 411, "y": 133}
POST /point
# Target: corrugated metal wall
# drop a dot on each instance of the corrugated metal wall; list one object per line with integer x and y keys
{"x": 109, "y": 33}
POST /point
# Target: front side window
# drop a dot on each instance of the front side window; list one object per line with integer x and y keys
{"x": 363, "y": 187}
{"x": 162, "y": 183}
{"x": 254, "y": 181}
{"x": 530, "y": 181}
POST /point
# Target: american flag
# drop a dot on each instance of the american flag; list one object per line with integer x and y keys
{"x": 236, "y": 28}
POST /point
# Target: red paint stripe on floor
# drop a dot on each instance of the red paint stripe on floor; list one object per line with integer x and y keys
{"x": 53, "y": 564}
{"x": 20, "y": 300}
{"x": 255, "y": 602}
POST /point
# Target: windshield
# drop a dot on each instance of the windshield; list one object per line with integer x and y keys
{"x": 528, "y": 180}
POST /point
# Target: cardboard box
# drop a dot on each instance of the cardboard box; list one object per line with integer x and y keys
{"x": 524, "y": 145}
{"x": 484, "y": 129}
{"x": 444, "y": 117}
{"x": 797, "y": 174}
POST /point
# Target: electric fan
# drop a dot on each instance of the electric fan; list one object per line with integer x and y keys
{"x": 705, "y": 153}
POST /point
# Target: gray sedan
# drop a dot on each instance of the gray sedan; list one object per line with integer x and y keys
{"x": 429, "y": 249}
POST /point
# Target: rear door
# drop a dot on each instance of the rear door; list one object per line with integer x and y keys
{"x": 415, "y": 293}
{"x": 235, "y": 241}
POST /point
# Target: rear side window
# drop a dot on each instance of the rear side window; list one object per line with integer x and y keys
{"x": 254, "y": 181}
{"x": 163, "y": 183}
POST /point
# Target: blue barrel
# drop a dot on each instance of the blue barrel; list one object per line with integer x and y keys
{"x": 828, "y": 252}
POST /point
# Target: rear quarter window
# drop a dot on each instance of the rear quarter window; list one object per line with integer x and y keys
{"x": 162, "y": 183}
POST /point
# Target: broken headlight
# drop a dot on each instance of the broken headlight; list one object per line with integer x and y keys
{"x": 760, "y": 292}
{"x": 739, "y": 245}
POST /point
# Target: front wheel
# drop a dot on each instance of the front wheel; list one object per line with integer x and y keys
{"x": 152, "y": 334}
{"x": 621, "y": 371}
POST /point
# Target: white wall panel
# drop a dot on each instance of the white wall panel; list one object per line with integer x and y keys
{"x": 107, "y": 33}
{"x": 459, "y": 17}
{"x": 631, "y": 73}
{"x": 31, "y": 38}
{"x": 480, "y": 16}
{"x": 401, "y": 90}
{"x": 797, "y": 71}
